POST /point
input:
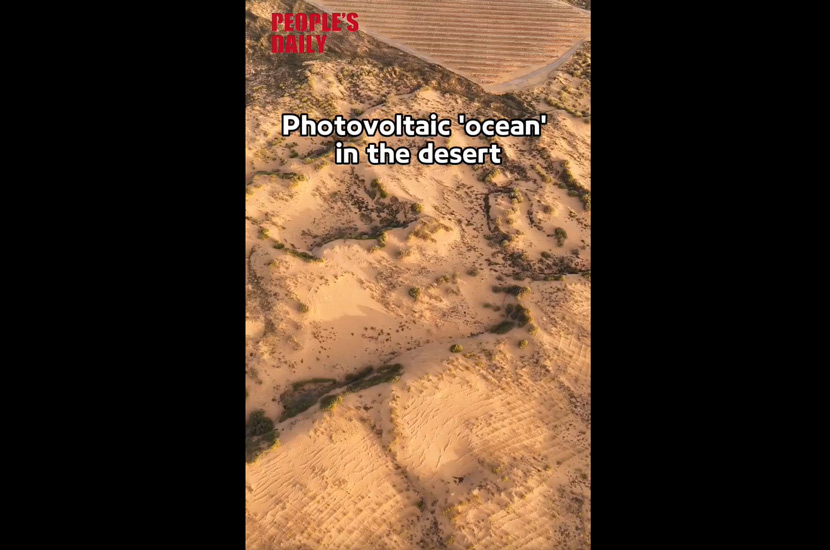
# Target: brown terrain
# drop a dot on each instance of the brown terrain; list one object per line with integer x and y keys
{"x": 418, "y": 337}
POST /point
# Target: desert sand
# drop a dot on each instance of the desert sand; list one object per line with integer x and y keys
{"x": 349, "y": 267}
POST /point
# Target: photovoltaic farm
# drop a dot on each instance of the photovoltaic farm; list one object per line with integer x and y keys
{"x": 491, "y": 42}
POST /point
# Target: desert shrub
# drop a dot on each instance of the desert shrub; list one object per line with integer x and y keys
{"x": 520, "y": 314}
{"x": 456, "y": 348}
{"x": 385, "y": 374}
{"x": 260, "y": 434}
{"x": 472, "y": 272}
{"x": 415, "y": 292}
{"x": 303, "y": 307}
{"x": 503, "y": 328}
{"x": 538, "y": 169}
{"x": 488, "y": 177}
{"x": 279, "y": 246}
{"x": 523, "y": 343}
{"x": 378, "y": 188}
{"x": 305, "y": 256}
{"x": 513, "y": 290}
{"x": 417, "y": 208}
{"x": 360, "y": 375}
{"x": 328, "y": 402}
{"x": 382, "y": 239}
{"x": 258, "y": 423}
{"x": 560, "y": 235}
{"x": 304, "y": 394}
{"x": 357, "y": 112}
{"x": 546, "y": 255}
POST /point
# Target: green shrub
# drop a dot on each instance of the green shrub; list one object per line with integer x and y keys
{"x": 359, "y": 375}
{"x": 328, "y": 402}
{"x": 385, "y": 374}
{"x": 304, "y": 394}
{"x": 305, "y": 256}
{"x": 417, "y": 208}
{"x": 560, "y": 235}
{"x": 456, "y": 348}
{"x": 415, "y": 292}
{"x": 260, "y": 434}
{"x": 513, "y": 290}
{"x": 523, "y": 343}
{"x": 519, "y": 313}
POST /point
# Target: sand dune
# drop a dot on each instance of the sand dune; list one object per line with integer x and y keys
{"x": 349, "y": 267}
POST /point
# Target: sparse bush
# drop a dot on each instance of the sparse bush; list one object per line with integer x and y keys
{"x": 514, "y": 290}
{"x": 519, "y": 313}
{"x": 260, "y": 434}
{"x": 305, "y": 256}
{"x": 538, "y": 169}
{"x": 523, "y": 343}
{"x": 328, "y": 402}
{"x": 417, "y": 208}
{"x": 472, "y": 272}
{"x": 456, "y": 348}
{"x": 385, "y": 374}
{"x": 303, "y": 307}
{"x": 503, "y": 328}
{"x": 360, "y": 375}
{"x": 415, "y": 292}
{"x": 560, "y": 235}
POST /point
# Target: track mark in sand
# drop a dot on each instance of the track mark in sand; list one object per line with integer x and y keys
{"x": 348, "y": 485}
{"x": 517, "y": 439}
